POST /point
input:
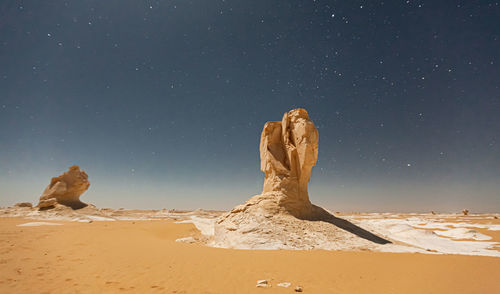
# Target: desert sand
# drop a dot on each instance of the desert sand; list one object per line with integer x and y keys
{"x": 142, "y": 256}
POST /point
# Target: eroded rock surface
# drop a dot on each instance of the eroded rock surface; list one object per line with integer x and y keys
{"x": 23, "y": 204}
{"x": 282, "y": 217}
{"x": 66, "y": 189}
{"x": 288, "y": 151}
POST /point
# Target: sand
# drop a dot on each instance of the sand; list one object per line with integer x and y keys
{"x": 143, "y": 257}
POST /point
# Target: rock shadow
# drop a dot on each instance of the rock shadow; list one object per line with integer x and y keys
{"x": 321, "y": 214}
{"x": 75, "y": 205}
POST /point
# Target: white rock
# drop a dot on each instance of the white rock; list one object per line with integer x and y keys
{"x": 37, "y": 224}
{"x": 284, "y": 284}
{"x": 262, "y": 283}
{"x": 186, "y": 240}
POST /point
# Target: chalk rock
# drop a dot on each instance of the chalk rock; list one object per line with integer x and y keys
{"x": 47, "y": 203}
{"x": 67, "y": 188}
{"x": 282, "y": 217}
{"x": 262, "y": 283}
{"x": 284, "y": 284}
{"x": 186, "y": 240}
{"x": 288, "y": 151}
{"x": 24, "y": 204}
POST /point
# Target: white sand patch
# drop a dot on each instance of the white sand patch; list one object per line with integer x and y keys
{"x": 100, "y": 218}
{"x": 401, "y": 230}
{"x": 186, "y": 240}
{"x": 425, "y": 224}
{"x": 37, "y": 224}
{"x": 284, "y": 284}
{"x": 204, "y": 225}
{"x": 463, "y": 233}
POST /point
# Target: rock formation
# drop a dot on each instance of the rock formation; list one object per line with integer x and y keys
{"x": 288, "y": 151}
{"x": 282, "y": 217}
{"x": 66, "y": 190}
{"x": 23, "y": 204}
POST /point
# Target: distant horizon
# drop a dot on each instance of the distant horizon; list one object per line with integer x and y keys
{"x": 352, "y": 198}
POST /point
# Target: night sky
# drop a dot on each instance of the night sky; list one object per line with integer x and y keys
{"x": 162, "y": 102}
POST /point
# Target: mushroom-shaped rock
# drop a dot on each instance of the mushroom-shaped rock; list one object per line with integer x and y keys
{"x": 66, "y": 189}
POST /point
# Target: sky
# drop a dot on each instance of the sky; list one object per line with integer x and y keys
{"x": 162, "y": 102}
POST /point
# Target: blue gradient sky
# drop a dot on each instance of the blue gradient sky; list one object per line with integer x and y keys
{"x": 162, "y": 102}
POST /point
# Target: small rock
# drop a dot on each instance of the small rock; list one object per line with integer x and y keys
{"x": 262, "y": 283}
{"x": 298, "y": 289}
{"x": 284, "y": 284}
{"x": 186, "y": 240}
{"x": 47, "y": 204}
{"x": 465, "y": 211}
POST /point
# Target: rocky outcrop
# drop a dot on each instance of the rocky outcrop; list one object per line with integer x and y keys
{"x": 282, "y": 217}
{"x": 47, "y": 204}
{"x": 23, "y": 204}
{"x": 288, "y": 151}
{"x": 66, "y": 190}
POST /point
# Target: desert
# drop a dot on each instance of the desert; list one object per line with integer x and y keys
{"x": 249, "y": 146}
{"x": 146, "y": 252}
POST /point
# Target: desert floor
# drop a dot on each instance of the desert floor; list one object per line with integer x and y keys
{"x": 143, "y": 257}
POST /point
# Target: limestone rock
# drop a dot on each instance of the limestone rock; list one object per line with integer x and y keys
{"x": 282, "y": 217}
{"x": 47, "y": 203}
{"x": 262, "y": 284}
{"x": 288, "y": 151}
{"x": 66, "y": 189}
{"x": 24, "y": 204}
{"x": 284, "y": 284}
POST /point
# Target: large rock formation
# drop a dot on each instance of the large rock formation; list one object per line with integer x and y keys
{"x": 282, "y": 217}
{"x": 288, "y": 151}
{"x": 66, "y": 189}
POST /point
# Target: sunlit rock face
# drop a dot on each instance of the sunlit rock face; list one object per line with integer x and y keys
{"x": 288, "y": 151}
{"x": 66, "y": 189}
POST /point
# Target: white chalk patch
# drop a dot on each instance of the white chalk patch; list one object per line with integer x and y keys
{"x": 100, "y": 218}
{"x": 262, "y": 283}
{"x": 204, "y": 225}
{"x": 401, "y": 230}
{"x": 284, "y": 284}
{"x": 463, "y": 233}
{"x": 186, "y": 240}
{"x": 37, "y": 224}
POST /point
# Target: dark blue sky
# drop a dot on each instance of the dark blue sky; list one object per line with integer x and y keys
{"x": 163, "y": 102}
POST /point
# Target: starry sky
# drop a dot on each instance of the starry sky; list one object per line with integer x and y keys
{"x": 162, "y": 102}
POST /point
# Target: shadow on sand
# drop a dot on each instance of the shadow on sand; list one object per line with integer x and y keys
{"x": 323, "y": 215}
